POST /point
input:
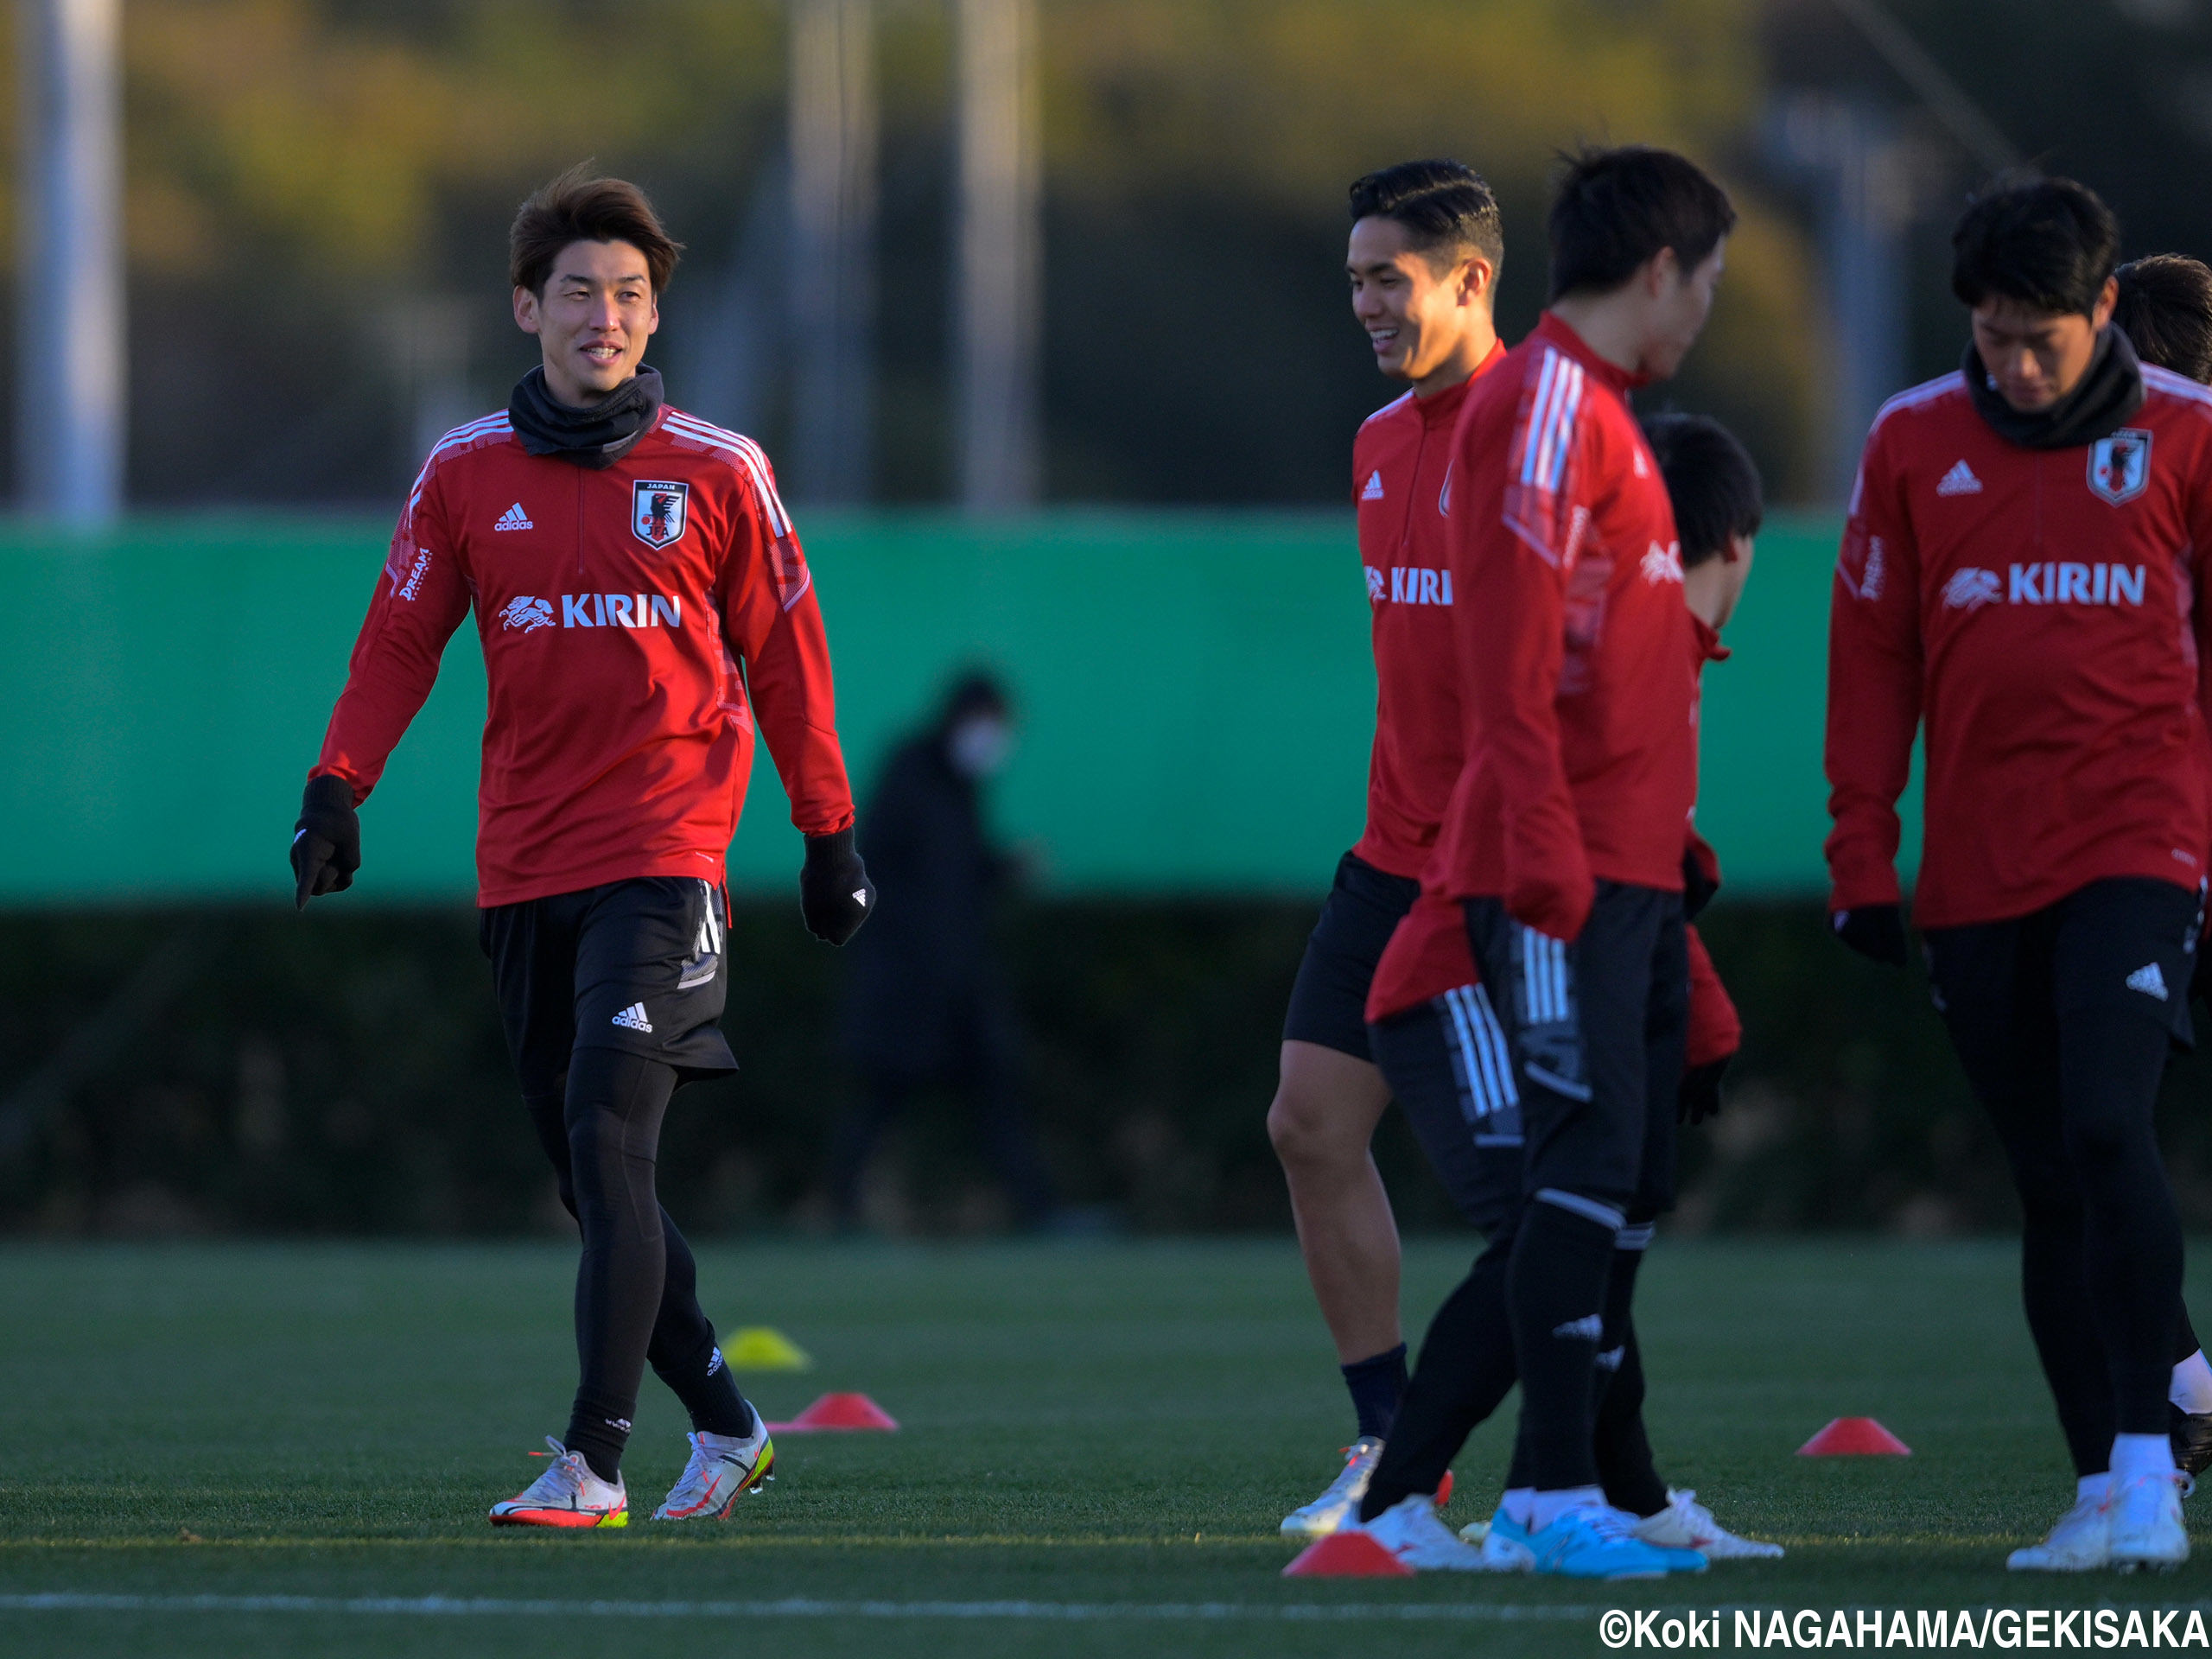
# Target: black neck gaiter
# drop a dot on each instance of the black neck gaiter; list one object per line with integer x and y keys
{"x": 2111, "y": 391}
{"x": 596, "y": 435}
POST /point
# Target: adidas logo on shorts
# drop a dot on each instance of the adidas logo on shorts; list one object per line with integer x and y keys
{"x": 634, "y": 1017}
{"x": 1590, "y": 1325}
{"x": 2148, "y": 980}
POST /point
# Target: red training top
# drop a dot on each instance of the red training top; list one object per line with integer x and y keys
{"x": 624, "y": 613}
{"x": 1399, "y": 461}
{"x": 1580, "y": 757}
{"x": 1428, "y": 954}
{"x": 1716, "y": 1030}
{"x": 2043, "y": 611}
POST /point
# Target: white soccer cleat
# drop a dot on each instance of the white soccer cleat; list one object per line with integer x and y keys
{"x": 1685, "y": 1523}
{"x": 2146, "y": 1529}
{"x": 1504, "y": 1543}
{"x": 723, "y": 1468}
{"x": 2080, "y": 1542}
{"x": 1410, "y": 1531}
{"x": 1340, "y": 1503}
{"x": 567, "y": 1495}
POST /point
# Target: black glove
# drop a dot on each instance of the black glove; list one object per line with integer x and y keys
{"x": 1875, "y": 932}
{"x": 1698, "y": 1097}
{"x": 834, "y": 894}
{"x": 327, "y": 840}
{"x": 1698, "y": 887}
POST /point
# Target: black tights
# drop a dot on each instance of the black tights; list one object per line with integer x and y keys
{"x": 1466, "y": 1369}
{"x": 2064, "y": 1049}
{"x": 2101, "y": 1256}
{"x": 637, "y": 1285}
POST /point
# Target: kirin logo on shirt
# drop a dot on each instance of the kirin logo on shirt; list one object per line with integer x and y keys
{"x": 2120, "y": 465}
{"x": 527, "y": 613}
{"x": 656, "y": 510}
{"x": 1970, "y": 589}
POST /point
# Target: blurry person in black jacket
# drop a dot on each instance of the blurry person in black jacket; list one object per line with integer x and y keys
{"x": 925, "y": 1003}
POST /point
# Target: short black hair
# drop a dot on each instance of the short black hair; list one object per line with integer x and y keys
{"x": 1616, "y": 209}
{"x": 2048, "y": 243}
{"x": 2165, "y": 311}
{"x": 1442, "y": 204}
{"x": 581, "y": 206}
{"x": 1713, "y": 480}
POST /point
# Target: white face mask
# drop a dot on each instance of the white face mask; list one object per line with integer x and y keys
{"x": 979, "y": 746}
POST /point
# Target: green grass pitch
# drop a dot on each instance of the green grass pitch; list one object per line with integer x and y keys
{"x": 1106, "y": 1433}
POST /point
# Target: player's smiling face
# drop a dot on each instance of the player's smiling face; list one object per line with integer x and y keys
{"x": 1414, "y": 313}
{"x": 2035, "y": 357}
{"x": 593, "y": 320}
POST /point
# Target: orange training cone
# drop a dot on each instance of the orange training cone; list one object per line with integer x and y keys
{"x": 1443, "y": 1491}
{"x": 1346, "y": 1556}
{"x": 837, "y": 1411}
{"x": 1855, "y": 1437}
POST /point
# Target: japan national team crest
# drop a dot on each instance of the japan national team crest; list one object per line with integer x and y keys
{"x": 2120, "y": 465}
{"x": 656, "y": 511}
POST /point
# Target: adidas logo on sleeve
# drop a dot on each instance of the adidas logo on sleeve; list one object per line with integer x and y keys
{"x": 634, "y": 1017}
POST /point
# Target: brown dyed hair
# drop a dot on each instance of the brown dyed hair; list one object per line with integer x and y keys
{"x": 580, "y": 207}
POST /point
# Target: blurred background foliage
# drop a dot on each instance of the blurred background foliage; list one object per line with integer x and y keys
{"x": 318, "y": 190}
{"x": 317, "y": 193}
{"x": 350, "y": 1077}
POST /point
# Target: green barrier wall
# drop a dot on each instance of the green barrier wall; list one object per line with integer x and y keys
{"x": 1196, "y": 692}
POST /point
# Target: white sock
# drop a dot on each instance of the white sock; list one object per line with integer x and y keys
{"x": 2093, "y": 1489}
{"x": 1519, "y": 1503}
{"x": 1548, "y": 1507}
{"x": 2134, "y": 1456}
{"x": 2191, "y": 1389}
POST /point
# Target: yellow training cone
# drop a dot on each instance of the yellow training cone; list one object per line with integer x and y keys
{"x": 764, "y": 1348}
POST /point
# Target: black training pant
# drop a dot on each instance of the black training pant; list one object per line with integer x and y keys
{"x": 1595, "y": 1030}
{"x": 610, "y": 998}
{"x": 1449, "y": 1067}
{"x": 2062, "y": 1020}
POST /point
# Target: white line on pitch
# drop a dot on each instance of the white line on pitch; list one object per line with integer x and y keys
{"x": 789, "y": 1607}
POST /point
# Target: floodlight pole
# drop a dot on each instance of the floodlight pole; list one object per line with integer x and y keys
{"x": 1864, "y": 176}
{"x": 998, "y": 307}
{"x": 70, "y": 327}
{"x": 832, "y": 256}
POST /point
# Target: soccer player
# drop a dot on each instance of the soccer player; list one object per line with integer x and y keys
{"x": 2162, "y": 302}
{"x": 1438, "y": 1040}
{"x": 1565, "y": 836}
{"x": 1423, "y": 260}
{"x": 641, "y": 600}
{"x": 2016, "y": 580}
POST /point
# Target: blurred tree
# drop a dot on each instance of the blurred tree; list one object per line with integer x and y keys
{"x": 2117, "y": 93}
{"x": 318, "y": 194}
{"x": 1197, "y": 159}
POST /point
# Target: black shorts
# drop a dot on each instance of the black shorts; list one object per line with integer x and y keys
{"x": 1597, "y": 1029}
{"x": 1328, "y": 1000}
{"x": 2128, "y": 943}
{"x": 634, "y": 965}
{"x": 1449, "y": 1068}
